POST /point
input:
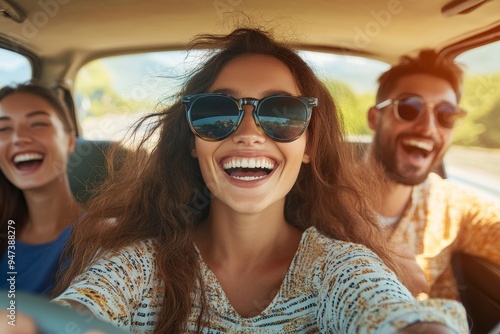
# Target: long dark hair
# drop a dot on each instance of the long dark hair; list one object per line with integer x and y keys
{"x": 163, "y": 196}
{"x": 14, "y": 205}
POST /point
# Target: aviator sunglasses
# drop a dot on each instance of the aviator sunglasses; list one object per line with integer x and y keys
{"x": 411, "y": 108}
{"x": 214, "y": 117}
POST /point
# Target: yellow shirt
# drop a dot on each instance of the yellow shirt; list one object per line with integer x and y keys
{"x": 442, "y": 218}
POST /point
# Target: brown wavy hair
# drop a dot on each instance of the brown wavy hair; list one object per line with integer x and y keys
{"x": 428, "y": 61}
{"x": 163, "y": 196}
{"x": 14, "y": 205}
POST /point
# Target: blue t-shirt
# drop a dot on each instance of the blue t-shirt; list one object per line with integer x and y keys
{"x": 35, "y": 265}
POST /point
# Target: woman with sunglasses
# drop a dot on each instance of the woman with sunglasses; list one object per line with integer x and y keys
{"x": 242, "y": 217}
{"x": 36, "y": 140}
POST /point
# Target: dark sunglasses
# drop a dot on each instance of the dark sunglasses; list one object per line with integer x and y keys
{"x": 214, "y": 117}
{"x": 411, "y": 108}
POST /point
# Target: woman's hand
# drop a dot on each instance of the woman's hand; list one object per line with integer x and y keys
{"x": 21, "y": 325}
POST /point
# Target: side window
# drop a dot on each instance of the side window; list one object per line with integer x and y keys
{"x": 14, "y": 68}
{"x": 112, "y": 93}
{"x": 474, "y": 159}
{"x": 481, "y": 97}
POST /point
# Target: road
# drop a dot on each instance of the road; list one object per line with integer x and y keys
{"x": 475, "y": 168}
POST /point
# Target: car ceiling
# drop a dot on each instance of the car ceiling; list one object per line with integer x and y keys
{"x": 79, "y": 30}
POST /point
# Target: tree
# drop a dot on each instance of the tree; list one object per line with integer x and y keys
{"x": 97, "y": 96}
{"x": 352, "y": 107}
{"x": 481, "y": 99}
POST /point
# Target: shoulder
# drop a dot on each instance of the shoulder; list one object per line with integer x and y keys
{"x": 141, "y": 248}
{"x": 440, "y": 190}
{"x": 64, "y": 236}
{"x": 138, "y": 250}
{"x": 434, "y": 182}
{"x": 435, "y": 188}
{"x": 337, "y": 254}
{"x": 315, "y": 240}
{"x": 437, "y": 185}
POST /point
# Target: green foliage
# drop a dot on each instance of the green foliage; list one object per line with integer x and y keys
{"x": 353, "y": 108}
{"x": 95, "y": 86}
{"x": 481, "y": 99}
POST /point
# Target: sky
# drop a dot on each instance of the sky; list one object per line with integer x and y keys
{"x": 13, "y": 68}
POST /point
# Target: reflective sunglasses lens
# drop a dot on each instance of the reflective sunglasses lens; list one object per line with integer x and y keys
{"x": 213, "y": 117}
{"x": 446, "y": 115}
{"x": 283, "y": 118}
{"x": 409, "y": 109}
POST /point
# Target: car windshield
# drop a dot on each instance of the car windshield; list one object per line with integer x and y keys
{"x": 111, "y": 93}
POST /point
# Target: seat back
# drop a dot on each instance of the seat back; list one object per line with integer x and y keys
{"x": 87, "y": 167}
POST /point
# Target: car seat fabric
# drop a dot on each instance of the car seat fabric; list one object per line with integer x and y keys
{"x": 87, "y": 167}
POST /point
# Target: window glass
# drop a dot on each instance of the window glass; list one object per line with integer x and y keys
{"x": 111, "y": 93}
{"x": 352, "y": 81}
{"x": 14, "y": 68}
{"x": 481, "y": 98}
{"x": 474, "y": 160}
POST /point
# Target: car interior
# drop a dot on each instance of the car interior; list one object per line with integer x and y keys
{"x": 88, "y": 167}
{"x": 59, "y": 37}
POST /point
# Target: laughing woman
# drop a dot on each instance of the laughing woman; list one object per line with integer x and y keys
{"x": 247, "y": 216}
{"x": 36, "y": 139}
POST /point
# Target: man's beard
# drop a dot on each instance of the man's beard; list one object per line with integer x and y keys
{"x": 398, "y": 172}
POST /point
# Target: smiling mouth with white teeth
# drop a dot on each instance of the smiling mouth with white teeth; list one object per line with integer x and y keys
{"x": 25, "y": 161}
{"x": 248, "y": 169}
{"x": 421, "y": 147}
